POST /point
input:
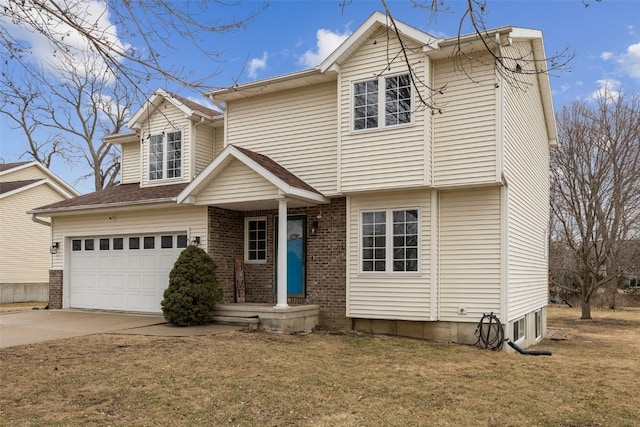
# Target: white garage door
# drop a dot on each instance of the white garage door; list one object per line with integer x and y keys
{"x": 127, "y": 273}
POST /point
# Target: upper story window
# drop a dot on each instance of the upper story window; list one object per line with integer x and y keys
{"x": 374, "y": 108}
{"x": 165, "y": 156}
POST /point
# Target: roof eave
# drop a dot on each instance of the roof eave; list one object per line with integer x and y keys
{"x": 103, "y": 206}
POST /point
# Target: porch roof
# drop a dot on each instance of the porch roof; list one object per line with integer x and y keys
{"x": 271, "y": 182}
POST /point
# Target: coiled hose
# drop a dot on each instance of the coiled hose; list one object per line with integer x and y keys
{"x": 490, "y": 332}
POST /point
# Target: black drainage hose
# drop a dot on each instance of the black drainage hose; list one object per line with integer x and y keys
{"x": 520, "y": 350}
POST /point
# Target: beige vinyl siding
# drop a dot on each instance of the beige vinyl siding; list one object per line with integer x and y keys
{"x": 465, "y": 132}
{"x": 470, "y": 248}
{"x": 167, "y": 118}
{"x": 205, "y": 147}
{"x": 31, "y": 172}
{"x": 527, "y": 174}
{"x": 237, "y": 183}
{"x": 404, "y": 296}
{"x": 192, "y": 219}
{"x": 218, "y": 138}
{"x": 24, "y": 253}
{"x": 130, "y": 172}
{"x": 296, "y": 128}
{"x": 382, "y": 158}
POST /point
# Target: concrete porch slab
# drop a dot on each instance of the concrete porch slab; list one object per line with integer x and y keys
{"x": 291, "y": 320}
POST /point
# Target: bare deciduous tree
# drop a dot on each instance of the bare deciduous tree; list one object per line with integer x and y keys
{"x": 595, "y": 189}
{"x": 74, "y": 109}
{"x": 133, "y": 39}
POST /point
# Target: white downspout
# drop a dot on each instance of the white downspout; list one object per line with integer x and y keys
{"x": 39, "y": 221}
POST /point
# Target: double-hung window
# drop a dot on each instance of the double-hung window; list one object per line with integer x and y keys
{"x": 389, "y": 241}
{"x": 374, "y": 108}
{"x": 165, "y": 156}
{"x": 255, "y": 240}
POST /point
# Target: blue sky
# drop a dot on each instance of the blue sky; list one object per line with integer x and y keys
{"x": 293, "y": 35}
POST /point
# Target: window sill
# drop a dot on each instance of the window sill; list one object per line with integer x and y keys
{"x": 380, "y": 129}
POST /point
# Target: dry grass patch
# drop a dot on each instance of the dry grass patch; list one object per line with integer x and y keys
{"x": 322, "y": 379}
{"x": 20, "y": 306}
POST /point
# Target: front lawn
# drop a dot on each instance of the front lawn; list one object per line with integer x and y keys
{"x": 323, "y": 379}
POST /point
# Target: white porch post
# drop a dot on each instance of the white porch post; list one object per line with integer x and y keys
{"x": 282, "y": 254}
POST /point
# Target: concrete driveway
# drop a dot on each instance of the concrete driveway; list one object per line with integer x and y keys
{"x": 29, "y": 327}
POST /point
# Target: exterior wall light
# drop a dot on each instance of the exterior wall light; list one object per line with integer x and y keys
{"x": 54, "y": 248}
{"x": 195, "y": 240}
{"x": 314, "y": 228}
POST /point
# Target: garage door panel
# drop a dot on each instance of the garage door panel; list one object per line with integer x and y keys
{"x": 120, "y": 279}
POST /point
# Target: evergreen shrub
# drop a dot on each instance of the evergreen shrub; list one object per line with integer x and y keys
{"x": 193, "y": 289}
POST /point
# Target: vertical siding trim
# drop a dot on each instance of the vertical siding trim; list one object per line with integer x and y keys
{"x": 339, "y": 144}
{"x": 348, "y": 250}
{"x": 426, "y": 130}
{"x": 504, "y": 252}
{"x": 499, "y": 129}
{"x": 194, "y": 149}
{"x": 435, "y": 256}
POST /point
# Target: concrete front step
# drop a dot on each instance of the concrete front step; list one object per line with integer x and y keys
{"x": 290, "y": 320}
{"x": 250, "y": 322}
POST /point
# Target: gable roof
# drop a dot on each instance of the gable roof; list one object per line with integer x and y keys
{"x": 50, "y": 178}
{"x": 9, "y": 166}
{"x": 371, "y": 25}
{"x": 11, "y": 186}
{"x": 116, "y": 196}
{"x": 191, "y": 109}
{"x": 286, "y": 182}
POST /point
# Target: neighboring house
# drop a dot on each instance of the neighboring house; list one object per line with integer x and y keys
{"x": 338, "y": 189}
{"x": 25, "y": 258}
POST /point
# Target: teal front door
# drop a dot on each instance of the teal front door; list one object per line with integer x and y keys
{"x": 296, "y": 249}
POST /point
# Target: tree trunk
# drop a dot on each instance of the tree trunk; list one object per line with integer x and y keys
{"x": 586, "y": 309}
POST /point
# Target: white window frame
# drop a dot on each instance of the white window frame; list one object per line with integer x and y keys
{"x": 382, "y": 92}
{"x": 389, "y": 242}
{"x": 537, "y": 316}
{"x": 246, "y": 240}
{"x": 165, "y": 156}
{"x": 519, "y": 329}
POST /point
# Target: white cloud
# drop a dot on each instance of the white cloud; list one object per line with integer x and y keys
{"x": 257, "y": 64}
{"x": 94, "y": 14}
{"x": 326, "y": 42}
{"x": 630, "y": 61}
{"x": 605, "y": 56}
{"x": 608, "y": 89}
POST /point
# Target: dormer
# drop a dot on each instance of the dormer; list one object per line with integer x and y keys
{"x": 173, "y": 140}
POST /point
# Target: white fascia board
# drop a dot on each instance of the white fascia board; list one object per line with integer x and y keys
{"x": 17, "y": 168}
{"x": 122, "y": 138}
{"x": 205, "y": 176}
{"x": 106, "y": 207}
{"x": 56, "y": 182}
{"x": 231, "y": 153}
{"x": 525, "y": 33}
{"x": 24, "y": 188}
{"x": 132, "y": 123}
{"x": 374, "y": 22}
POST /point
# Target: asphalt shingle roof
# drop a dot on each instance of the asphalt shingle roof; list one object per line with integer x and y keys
{"x": 6, "y": 187}
{"x": 118, "y": 194}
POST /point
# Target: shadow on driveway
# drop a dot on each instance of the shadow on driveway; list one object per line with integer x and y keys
{"x": 30, "y": 327}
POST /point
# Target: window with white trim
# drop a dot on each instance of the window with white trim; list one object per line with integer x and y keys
{"x": 538, "y": 320}
{"x": 165, "y": 156}
{"x": 373, "y": 108}
{"x": 518, "y": 329}
{"x": 255, "y": 240}
{"x": 389, "y": 241}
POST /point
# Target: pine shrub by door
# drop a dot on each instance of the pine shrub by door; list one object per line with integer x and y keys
{"x": 193, "y": 289}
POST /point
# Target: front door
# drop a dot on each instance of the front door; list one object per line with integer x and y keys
{"x": 296, "y": 249}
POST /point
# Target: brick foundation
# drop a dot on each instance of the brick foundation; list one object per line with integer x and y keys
{"x": 55, "y": 289}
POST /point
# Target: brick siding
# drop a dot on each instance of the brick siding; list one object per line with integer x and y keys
{"x": 55, "y": 289}
{"x": 325, "y": 258}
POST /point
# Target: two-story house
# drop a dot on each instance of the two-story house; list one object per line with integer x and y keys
{"x": 338, "y": 188}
